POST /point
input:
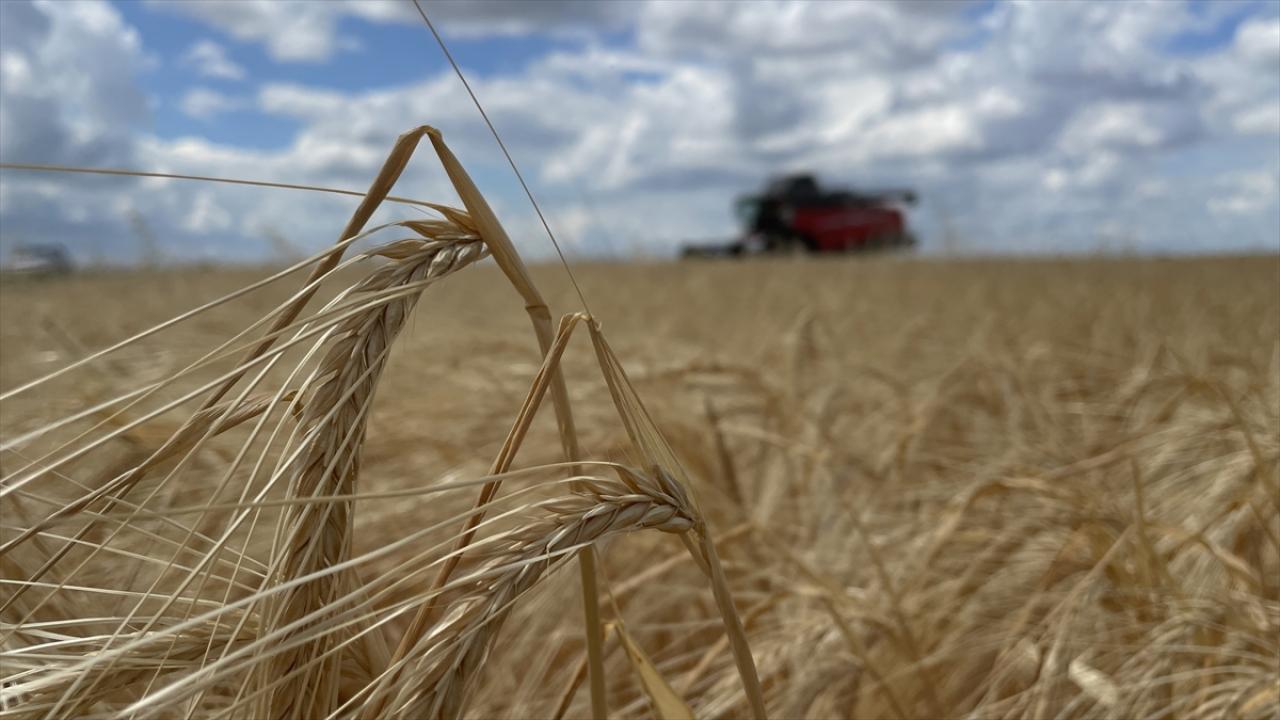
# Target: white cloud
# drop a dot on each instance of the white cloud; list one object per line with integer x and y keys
{"x": 1130, "y": 125}
{"x": 1037, "y": 128}
{"x": 68, "y": 93}
{"x": 1084, "y": 174}
{"x": 298, "y": 101}
{"x": 1245, "y": 80}
{"x": 203, "y": 103}
{"x": 564, "y": 18}
{"x": 210, "y": 60}
{"x": 886, "y": 34}
{"x": 206, "y": 215}
{"x": 67, "y": 96}
{"x": 1246, "y": 193}
{"x": 1261, "y": 119}
{"x": 291, "y": 31}
{"x": 310, "y": 31}
{"x": 1258, "y": 40}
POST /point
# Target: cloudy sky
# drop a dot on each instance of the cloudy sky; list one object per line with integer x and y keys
{"x": 1026, "y": 127}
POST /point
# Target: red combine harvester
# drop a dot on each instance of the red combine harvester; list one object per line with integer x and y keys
{"x": 795, "y": 215}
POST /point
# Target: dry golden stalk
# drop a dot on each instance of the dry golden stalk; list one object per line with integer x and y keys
{"x": 315, "y": 536}
{"x": 448, "y": 659}
{"x": 213, "y": 420}
{"x": 392, "y": 167}
{"x": 210, "y": 421}
{"x": 482, "y": 220}
{"x": 646, "y": 438}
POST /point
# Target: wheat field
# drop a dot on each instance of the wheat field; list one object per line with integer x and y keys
{"x": 860, "y": 487}
{"x": 931, "y": 488}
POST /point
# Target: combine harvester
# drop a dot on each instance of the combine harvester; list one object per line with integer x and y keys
{"x": 795, "y": 215}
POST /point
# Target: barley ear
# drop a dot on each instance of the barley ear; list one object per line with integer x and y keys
{"x": 504, "y": 253}
{"x": 650, "y": 443}
{"x": 392, "y": 167}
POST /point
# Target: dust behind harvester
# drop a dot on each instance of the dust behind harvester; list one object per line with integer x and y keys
{"x": 795, "y": 214}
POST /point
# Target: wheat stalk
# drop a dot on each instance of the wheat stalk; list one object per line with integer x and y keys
{"x": 310, "y": 605}
{"x": 333, "y": 419}
{"x": 443, "y": 667}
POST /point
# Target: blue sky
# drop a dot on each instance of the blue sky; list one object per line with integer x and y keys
{"x": 1027, "y": 127}
{"x": 382, "y": 55}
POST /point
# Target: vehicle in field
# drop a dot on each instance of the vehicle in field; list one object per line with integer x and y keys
{"x": 38, "y": 260}
{"x": 795, "y": 214}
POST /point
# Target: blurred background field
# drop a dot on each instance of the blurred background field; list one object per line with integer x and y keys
{"x": 976, "y": 371}
{"x": 926, "y": 474}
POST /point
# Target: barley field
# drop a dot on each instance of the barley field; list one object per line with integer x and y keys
{"x": 911, "y": 487}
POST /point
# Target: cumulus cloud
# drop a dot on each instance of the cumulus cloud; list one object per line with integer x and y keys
{"x": 211, "y": 60}
{"x": 202, "y": 103}
{"x": 68, "y": 93}
{"x": 1258, "y": 40}
{"x": 1260, "y": 119}
{"x": 311, "y": 31}
{"x": 1129, "y": 125}
{"x": 465, "y": 18}
{"x": 1246, "y": 193}
{"x": 879, "y": 34}
{"x": 1029, "y": 126}
{"x": 1245, "y": 80}
{"x": 67, "y": 96}
{"x": 291, "y": 31}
